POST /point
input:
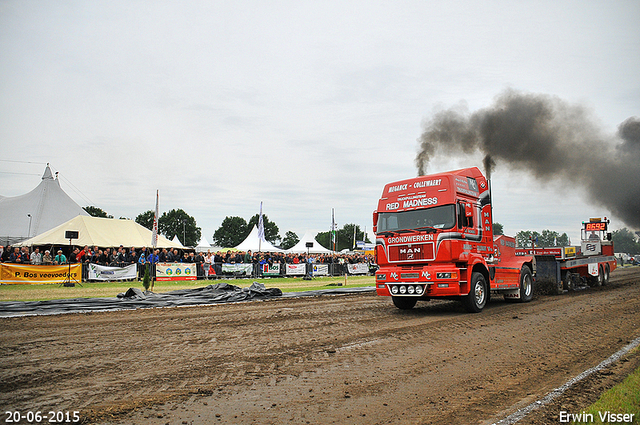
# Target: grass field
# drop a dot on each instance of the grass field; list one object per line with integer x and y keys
{"x": 623, "y": 399}
{"x": 112, "y": 289}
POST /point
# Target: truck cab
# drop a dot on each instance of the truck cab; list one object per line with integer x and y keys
{"x": 434, "y": 238}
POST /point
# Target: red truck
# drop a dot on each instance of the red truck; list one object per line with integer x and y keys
{"x": 434, "y": 239}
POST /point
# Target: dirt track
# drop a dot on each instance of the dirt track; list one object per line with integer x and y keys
{"x": 345, "y": 359}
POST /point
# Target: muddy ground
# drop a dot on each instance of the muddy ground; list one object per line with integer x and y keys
{"x": 352, "y": 359}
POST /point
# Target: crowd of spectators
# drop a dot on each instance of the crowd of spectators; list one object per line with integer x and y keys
{"x": 123, "y": 256}
{"x": 207, "y": 263}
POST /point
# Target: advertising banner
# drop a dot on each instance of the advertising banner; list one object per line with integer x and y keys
{"x": 176, "y": 271}
{"x": 271, "y": 269}
{"x": 98, "y": 272}
{"x": 358, "y": 268}
{"x": 240, "y": 268}
{"x": 320, "y": 269}
{"x": 30, "y": 274}
{"x": 296, "y": 269}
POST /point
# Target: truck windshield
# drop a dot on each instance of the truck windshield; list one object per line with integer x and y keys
{"x": 442, "y": 217}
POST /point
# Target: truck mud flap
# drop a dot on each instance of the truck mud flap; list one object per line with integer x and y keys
{"x": 547, "y": 273}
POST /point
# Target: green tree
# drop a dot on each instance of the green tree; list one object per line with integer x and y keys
{"x": 289, "y": 240}
{"x": 231, "y": 232}
{"x": 498, "y": 229}
{"x": 179, "y": 223}
{"x": 96, "y": 212}
{"x": 525, "y": 238}
{"x": 344, "y": 237}
{"x": 563, "y": 240}
{"x": 548, "y": 238}
{"x": 271, "y": 231}
{"x": 145, "y": 219}
{"x": 624, "y": 241}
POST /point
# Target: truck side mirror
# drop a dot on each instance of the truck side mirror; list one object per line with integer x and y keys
{"x": 375, "y": 222}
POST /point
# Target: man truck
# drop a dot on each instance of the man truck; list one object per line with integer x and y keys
{"x": 434, "y": 239}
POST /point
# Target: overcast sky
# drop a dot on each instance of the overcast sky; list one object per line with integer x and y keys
{"x": 305, "y": 106}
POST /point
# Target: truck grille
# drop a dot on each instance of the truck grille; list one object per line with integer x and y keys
{"x": 413, "y": 252}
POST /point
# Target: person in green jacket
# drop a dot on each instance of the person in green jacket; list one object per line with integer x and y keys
{"x": 60, "y": 258}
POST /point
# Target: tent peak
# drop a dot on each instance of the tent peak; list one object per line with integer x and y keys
{"x": 47, "y": 173}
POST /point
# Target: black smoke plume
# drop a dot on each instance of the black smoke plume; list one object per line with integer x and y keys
{"x": 550, "y": 139}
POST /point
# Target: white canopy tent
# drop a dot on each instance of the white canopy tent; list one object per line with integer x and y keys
{"x": 177, "y": 241}
{"x": 203, "y": 245}
{"x": 101, "y": 232}
{"x": 253, "y": 243}
{"x": 315, "y": 248}
{"x": 38, "y": 211}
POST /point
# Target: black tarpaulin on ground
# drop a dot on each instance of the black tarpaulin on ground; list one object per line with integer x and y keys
{"x": 135, "y": 298}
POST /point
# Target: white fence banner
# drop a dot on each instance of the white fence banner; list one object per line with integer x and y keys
{"x": 296, "y": 269}
{"x": 98, "y": 272}
{"x": 320, "y": 269}
{"x": 239, "y": 268}
{"x": 358, "y": 268}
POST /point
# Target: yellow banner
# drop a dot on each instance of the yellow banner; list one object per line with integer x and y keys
{"x": 28, "y": 274}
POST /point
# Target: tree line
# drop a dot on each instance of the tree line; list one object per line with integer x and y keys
{"x": 233, "y": 230}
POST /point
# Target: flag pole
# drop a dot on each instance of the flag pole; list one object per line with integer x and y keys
{"x": 154, "y": 240}
{"x": 260, "y": 229}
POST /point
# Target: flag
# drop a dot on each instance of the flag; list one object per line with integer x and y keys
{"x": 154, "y": 235}
{"x": 333, "y": 229}
{"x": 261, "y": 226}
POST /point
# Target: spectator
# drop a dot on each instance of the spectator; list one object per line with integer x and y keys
{"x": 153, "y": 256}
{"x": 74, "y": 255}
{"x": 142, "y": 265}
{"x": 207, "y": 264}
{"x": 81, "y": 257}
{"x": 95, "y": 255}
{"x": 36, "y": 257}
{"x": 26, "y": 256}
{"x": 16, "y": 256}
{"x": 217, "y": 263}
{"x": 60, "y": 258}
{"x": 46, "y": 258}
{"x": 162, "y": 257}
{"x": 132, "y": 256}
{"x": 122, "y": 256}
{"x": 6, "y": 254}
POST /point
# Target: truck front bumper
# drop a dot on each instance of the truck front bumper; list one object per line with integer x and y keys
{"x": 427, "y": 282}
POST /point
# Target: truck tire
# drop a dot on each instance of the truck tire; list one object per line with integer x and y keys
{"x": 477, "y": 297}
{"x": 596, "y": 280}
{"x": 404, "y": 303}
{"x": 607, "y": 272}
{"x": 526, "y": 284}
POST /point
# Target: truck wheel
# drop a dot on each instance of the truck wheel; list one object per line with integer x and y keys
{"x": 607, "y": 272}
{"x": 596, "y": 280}
{"x": 526, "y": 285}
{"x": 475, "y": 301}
{"x": 404, "y": 303}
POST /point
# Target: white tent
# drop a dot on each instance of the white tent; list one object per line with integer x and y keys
{"x": 203, "y": 245}
{"x": 316, "y": 248}
{"x": 176, "y": 240}
{"x": 42, "y": 209}
{"x": 253, "y": 243}
{"x": 102, "y": 232}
